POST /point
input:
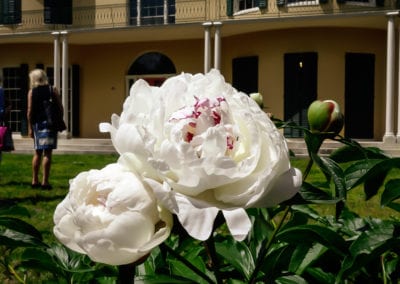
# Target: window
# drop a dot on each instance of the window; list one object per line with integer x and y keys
{"x": 152, "y": 12}
{"x": 245, "y": 74}
{"x": 12, "y": 91}
{"x": 10, "y": 12}
{"x": 237, "y": 7}
{"x": 58, "y": 12}
{"x": 246, "y": 4}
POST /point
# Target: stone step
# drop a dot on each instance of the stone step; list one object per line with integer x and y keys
{"x": 104, "y": 146}
{"x": 298, "y": 147}
{"x": 69, "y": 146}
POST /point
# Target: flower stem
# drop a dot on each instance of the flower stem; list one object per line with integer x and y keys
{"x": 266, "y": 245}
{"x": 126, "y": 273}
{"x": 187, "y": 263}
{"x": 212, "y": 254}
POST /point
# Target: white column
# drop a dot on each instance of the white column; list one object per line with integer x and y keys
{"x": 207, "y": 46}
{"x": 217, "y": 45}
{"x": 165, "y": 12}
{"x": 398, "y": 89}
{"x": 138, "y": 9}
{"x": 64, "y": 88}
{"x": 56, "y": 59}
{"x": 390, "y": 57}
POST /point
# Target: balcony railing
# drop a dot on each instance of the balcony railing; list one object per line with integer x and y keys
{"x": 192, "y": 11}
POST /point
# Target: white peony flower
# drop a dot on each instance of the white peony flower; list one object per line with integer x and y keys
{"x": 204, "y": 148}
{"x": 111, "y": 216}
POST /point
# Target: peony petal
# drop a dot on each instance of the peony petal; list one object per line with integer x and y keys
{"x": 238, "y": 222}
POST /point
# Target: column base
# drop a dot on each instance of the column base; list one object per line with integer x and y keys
{"x": 389, "y": 138}
{"x": 64, "y": 135}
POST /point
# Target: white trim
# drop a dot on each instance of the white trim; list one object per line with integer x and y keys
{"x": 303, "y": 3}
{"x": 247, "y": 11}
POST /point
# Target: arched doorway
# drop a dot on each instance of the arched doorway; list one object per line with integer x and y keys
{"x": 154, "y": 67}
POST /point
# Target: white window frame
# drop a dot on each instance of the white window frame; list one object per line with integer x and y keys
{"x": 245, "y": 11}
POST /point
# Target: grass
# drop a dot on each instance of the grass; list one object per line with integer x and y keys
{"x": 15, "y": 180}
{"x": 356, "y": 199}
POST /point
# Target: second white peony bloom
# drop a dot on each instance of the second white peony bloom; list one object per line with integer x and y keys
{"x": 204, "y": 147}
{"x": 111, "y": 216}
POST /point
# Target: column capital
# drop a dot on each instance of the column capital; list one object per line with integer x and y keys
{"x": 392, "y": 14}
{"x": 207, "y": 24}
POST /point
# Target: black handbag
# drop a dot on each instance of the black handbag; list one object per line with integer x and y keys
{"x": 54, "y": 113}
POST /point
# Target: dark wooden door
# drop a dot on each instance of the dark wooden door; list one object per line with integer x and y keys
{"x": 300, "y": 88}
{"x": 359, "y": 95}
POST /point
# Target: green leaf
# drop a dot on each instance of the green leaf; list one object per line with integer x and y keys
{"x": 291, "y": 279}
{"x": 320, "y": 276}
{"x": 355, "y": 151}
{"x": 14, "y": 239}
{"x": 308, "y": 234}
{"x": 261, "y": 229}
{"x": 19, "y": 226}
{"x": 314, "y": 194}
{"x": 238, "y": 255}
{"x": 333, "y": 170}
{"x": 391, "y": 192}
{"x": 376, "y": 175}
{"x": 304, "y": 256}
{"x": 369, "y": 246}
{"x": 38, "y": 259}
{"x": 185, "y": 273}
{"x": 356, "y": 173}
{"x": 276, "y": 261}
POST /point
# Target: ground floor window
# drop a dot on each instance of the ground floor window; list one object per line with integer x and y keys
{"x": 13, "y": 92}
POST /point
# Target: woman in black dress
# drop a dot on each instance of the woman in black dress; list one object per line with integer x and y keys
{"x": 45, "y": 138}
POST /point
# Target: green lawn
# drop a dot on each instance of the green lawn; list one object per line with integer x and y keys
{"x": 15, "y": 180}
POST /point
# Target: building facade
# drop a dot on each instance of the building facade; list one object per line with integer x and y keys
{"x": 291, "y": 51}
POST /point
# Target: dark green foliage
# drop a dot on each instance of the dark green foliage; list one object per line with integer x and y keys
{"x": 291, "y": 243}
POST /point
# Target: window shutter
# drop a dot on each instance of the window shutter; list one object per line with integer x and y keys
{"x": 10, "y": 12}
{"x": 262, "y": 4}
{"x": 58, "y": 12}
{"x": 24, "y": 83}
{"x": 133, "y": 13}
{"x": 229, "y": 8}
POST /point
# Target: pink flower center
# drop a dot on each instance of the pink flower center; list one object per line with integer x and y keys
{"x": 203, "y": 114}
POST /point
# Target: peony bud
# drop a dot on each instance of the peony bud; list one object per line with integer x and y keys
{"x": 258, "y": 98}
{"x": 325, "y": 116}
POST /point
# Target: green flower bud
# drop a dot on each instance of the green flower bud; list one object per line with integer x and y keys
{"x": 325, "y": 116}
{"x": 258, "y": 98}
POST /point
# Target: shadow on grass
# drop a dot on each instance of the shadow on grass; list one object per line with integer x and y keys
{"x": 30, "y": 195}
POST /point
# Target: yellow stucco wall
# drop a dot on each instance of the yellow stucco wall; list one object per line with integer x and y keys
{"x": 103, "y": 67}
{"x": 331, "y": 46}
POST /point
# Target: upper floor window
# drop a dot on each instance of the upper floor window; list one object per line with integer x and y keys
{"x": 58, "y": 12}
{"x": 152, "y": 12}
{"x": 10, "y": 12}
{"x": 237, "y": 7}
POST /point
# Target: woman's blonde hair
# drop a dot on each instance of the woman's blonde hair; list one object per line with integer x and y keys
{"x": 38, "y": 78}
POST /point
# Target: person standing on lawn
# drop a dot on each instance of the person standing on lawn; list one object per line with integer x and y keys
{"x": 45, "y": 138}
{"x": 4, "y": 109}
